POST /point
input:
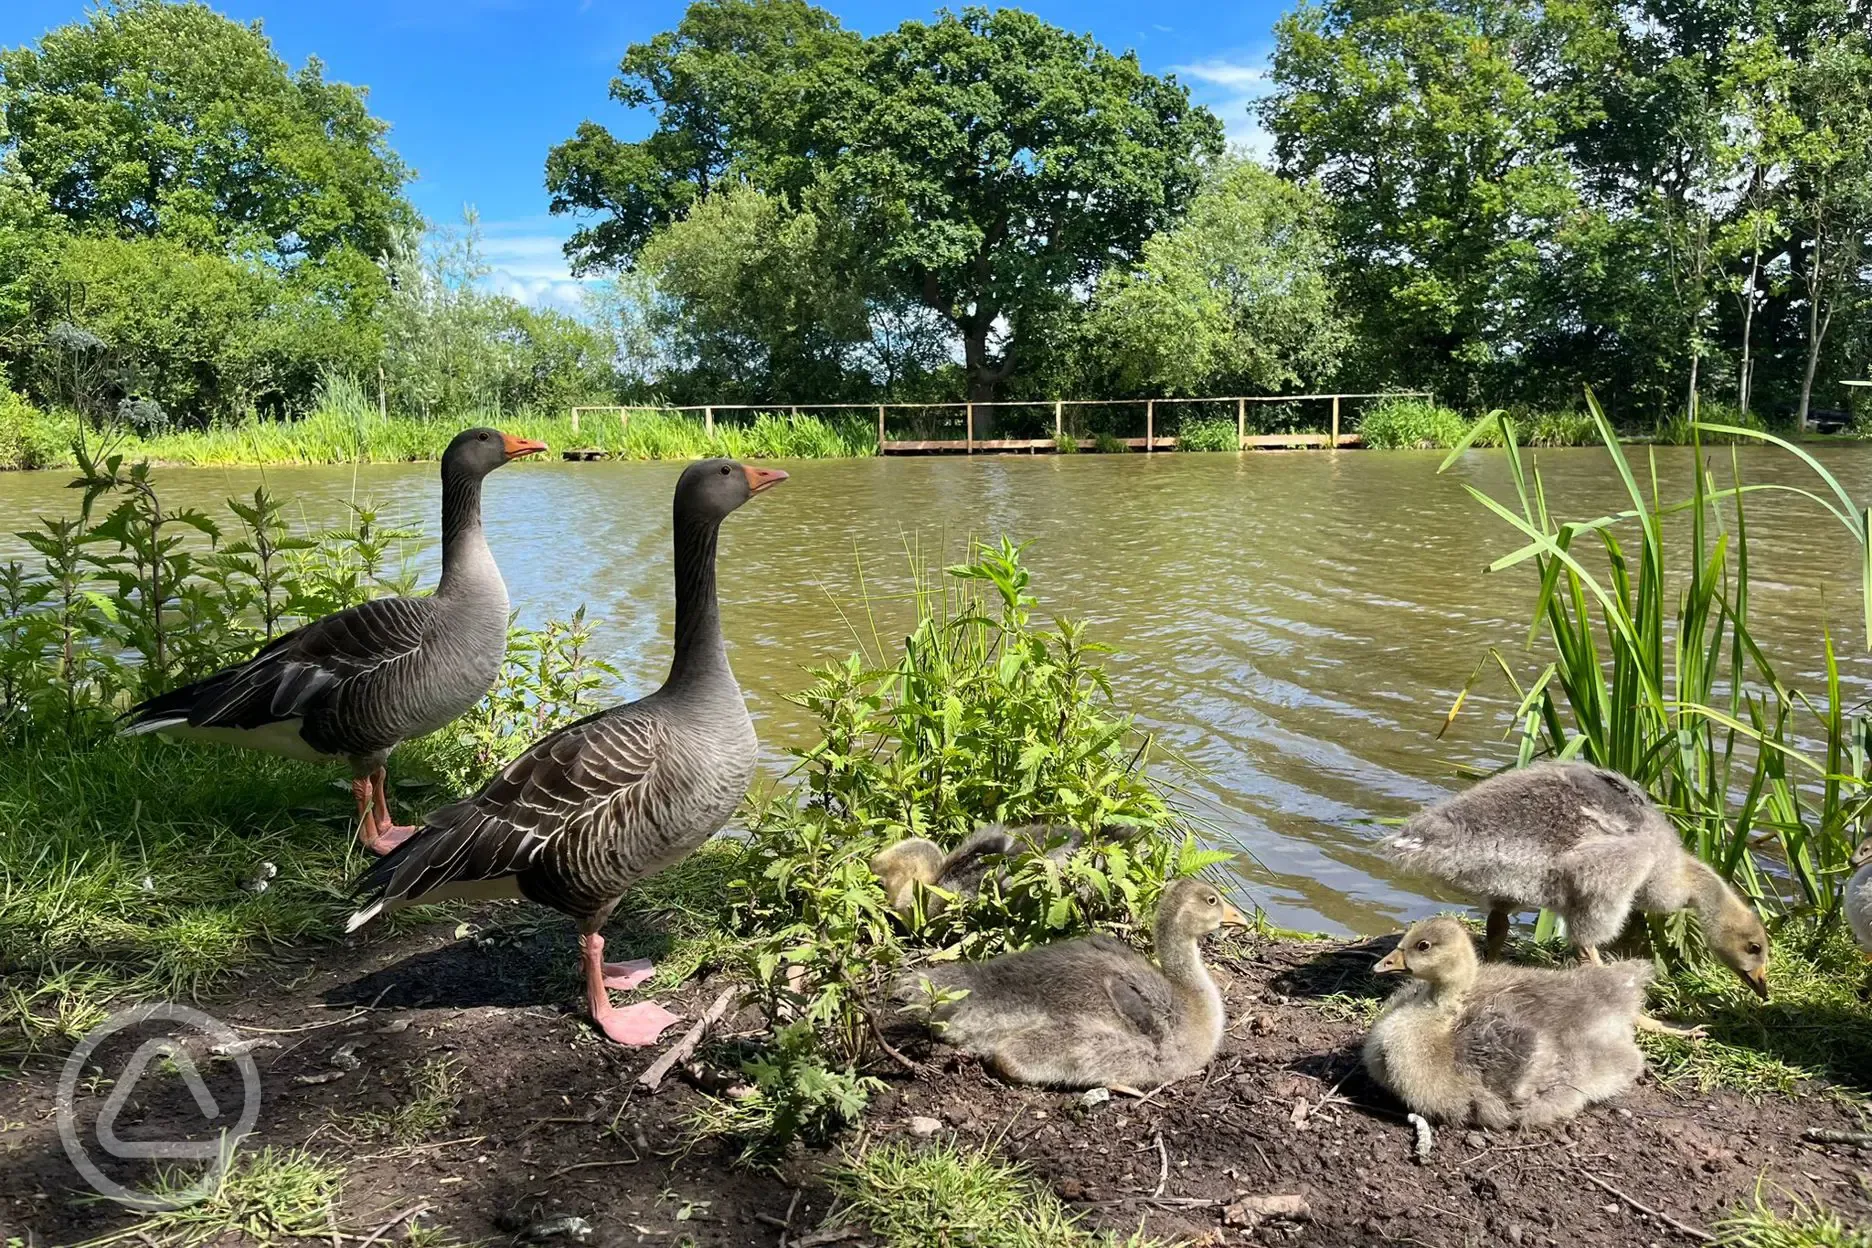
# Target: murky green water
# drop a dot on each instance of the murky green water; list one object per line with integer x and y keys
{"x": 1296, "y": 625}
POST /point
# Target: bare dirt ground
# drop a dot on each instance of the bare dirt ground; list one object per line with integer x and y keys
{"x": 545, "y": 1120}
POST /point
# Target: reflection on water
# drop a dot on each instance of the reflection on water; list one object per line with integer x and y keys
{"x": 1294, "y": 625}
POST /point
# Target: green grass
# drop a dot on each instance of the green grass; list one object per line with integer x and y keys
{"x": 344, "y": 433}
{"x": 434, "y": 1092}
{"x": 1412, "y": 424}
{"x": 121, "y": 873}
{"x": 943, "y": 1193}
{"x": 1806, "y": 1226}
{"x": 1213, "y": 433}
{"x": 272, "y": 1196}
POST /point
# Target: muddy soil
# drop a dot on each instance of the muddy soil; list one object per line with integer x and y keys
{"x": 550, "y": 1122}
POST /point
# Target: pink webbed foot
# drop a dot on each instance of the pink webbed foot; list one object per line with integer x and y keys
{"x": 388, "y": 837}
{"x": 625, "y": 976}
{"x": 635, "y": 1025}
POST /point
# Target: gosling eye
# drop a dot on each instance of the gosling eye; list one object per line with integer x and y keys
{"x": 724, "y": 470}
{"x": 1423, "y": 946}
{"x": 481, "y": 436}
{"x": 1754, "y": 948}
{"x": 1212, "y": 900}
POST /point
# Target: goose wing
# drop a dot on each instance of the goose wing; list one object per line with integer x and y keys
{"x": 294, "y": 673}
{"x": 604, "y": 764}
{"x": 1500, "y": 1046}
{"x": 1138, "y": 992}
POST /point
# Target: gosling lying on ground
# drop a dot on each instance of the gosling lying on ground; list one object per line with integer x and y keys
{"x": 1502, "y": 1046}
{"x": 1586, "y": 843}
{"x": 903, "y": 865}
{"x": 1858, "y": 896}
{"x": 1090, "y": 1012}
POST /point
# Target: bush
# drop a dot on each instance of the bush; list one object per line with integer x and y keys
{"x": 1552, "y": 428}
{"x": 30, "y": 438}
{"x": 1412, "y": 424}
{"x": 1676, "y": 429}
{"x": 1213, "y": 433}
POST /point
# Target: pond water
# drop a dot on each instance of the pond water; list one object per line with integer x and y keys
{"x": 1294, "y": 625}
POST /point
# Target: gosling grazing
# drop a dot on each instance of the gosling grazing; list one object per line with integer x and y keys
{"x": 903, "y": 865}
{"x": 1089, "y": 1012}
{"x": 1586, "y": 843}
{"x": 1859, "y": 896}
{"x": 1502, "y": 1046}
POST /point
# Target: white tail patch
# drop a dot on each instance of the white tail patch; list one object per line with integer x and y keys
{"x": 361, "y": 917}
{"x": 1405, "y": 844}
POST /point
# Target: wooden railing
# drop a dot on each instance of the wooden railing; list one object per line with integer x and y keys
{"x": 970, "y": 443}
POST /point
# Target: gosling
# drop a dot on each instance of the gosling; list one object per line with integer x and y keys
{"x": 1090, "y": 1012}
{"x": 904, "y": 865}
{"x": 1502, "y": 1046}
{"x": 1858, "y": 897}
{"x": 1586, "y": 843}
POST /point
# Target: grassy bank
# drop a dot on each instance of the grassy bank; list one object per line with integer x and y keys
{"x": 336, "y": 434}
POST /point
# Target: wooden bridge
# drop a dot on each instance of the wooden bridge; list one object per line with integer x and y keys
{"x": 972, "y": 421}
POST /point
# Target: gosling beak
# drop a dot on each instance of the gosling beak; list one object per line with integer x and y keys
{"x": 1391, "y": 964}
{"x": 516, "y": 447}
{"x": 1231, "y": 917}
{"x": 759, "y": 479}
{"x": 1758, "y": 982}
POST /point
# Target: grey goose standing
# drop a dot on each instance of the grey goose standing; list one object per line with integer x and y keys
{"x": 356, "y": 684}
{"x": 590, "y": 809}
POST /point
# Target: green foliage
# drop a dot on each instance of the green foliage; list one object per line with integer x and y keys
{"x": 792, "y": 1095}
{"x": 1411, "y": 424}
{"x": 166, "y": 119}
{"x": 983, "y": 716}
{"x": 1233, "y": 299}
{"x": 1211, "y": 433}
{"x": 1558, "y": 428}
{"x": 266, "y": 1197}
{"x": 911, "y": 1196}
{"x": 943, "y": 155}
{"x": 1690, "y": 706}
{"x": 30, "y": 438}
{"x": 1682, "y": 429}
{"x": 1804, "y": 1226}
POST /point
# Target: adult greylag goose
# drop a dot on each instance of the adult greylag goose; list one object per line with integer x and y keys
{"x": 356, "y": 684}
{"x": 1586, "y": 843}
{"x": 589, "y": 810}
{"x": 1090, "y": 1012}
{"x": 1503, "y": 1046}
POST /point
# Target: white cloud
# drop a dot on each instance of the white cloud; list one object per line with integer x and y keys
{"x": 1228, "y": 86}
{"x": 526, "y": 261}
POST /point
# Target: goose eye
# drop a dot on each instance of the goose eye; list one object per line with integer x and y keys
{"x": 1423, "y": 946}
{"x": 724, "y": 471}
{"x": 1212, "y": 900}
{"x": 481, "y": 436}
{"x": 1754, "y": 947}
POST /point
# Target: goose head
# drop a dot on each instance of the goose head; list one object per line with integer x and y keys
{"x": 1862, "y": 855}
{"x": 1437, "y": 951}
{"x": 477, "y": 452}
{"x": 903, "y": 864}
{"x": 1190, "y": 909}
{"x": 1739, "y": 940}
{"x": 711, "y": 488}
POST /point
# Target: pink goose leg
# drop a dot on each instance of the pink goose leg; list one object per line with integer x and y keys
{"x": 636, "y": 1025}
{"x": 388, "y": 835}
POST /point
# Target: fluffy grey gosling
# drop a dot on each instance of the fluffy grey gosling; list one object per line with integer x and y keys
{"x": 1091, "y": 1012}
{"x": 1586, "y": 843}
{"x": 902, "y": 865}
{"x": 1859, "y": 896}
{"x": 1502, "y": 1046}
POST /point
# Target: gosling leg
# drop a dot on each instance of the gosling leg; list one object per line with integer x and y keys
{"x": 1644, "y": 1022}
{"x": 1497, "y": 937}
{"x": 1590, "y": 953}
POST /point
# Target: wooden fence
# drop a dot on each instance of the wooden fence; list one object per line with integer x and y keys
{"x": 969, "y": 443}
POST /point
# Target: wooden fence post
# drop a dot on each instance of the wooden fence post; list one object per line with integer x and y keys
{"x": 708, "y": 421}
{"x": 1241, "y": 422}
{"x": 1150, "y": 425}
{"x": 1059, "y": 419}
{"x": 1335, "y": 422}
{"x": 575, "y": 422}
{"x": 880, "y": 428}
{"x": 969, "y": 431}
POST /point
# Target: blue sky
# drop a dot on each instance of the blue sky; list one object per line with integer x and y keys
{"x": 477, "y": 90}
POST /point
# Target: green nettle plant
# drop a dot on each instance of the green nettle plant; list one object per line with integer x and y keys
{"x": 982, "y": 716}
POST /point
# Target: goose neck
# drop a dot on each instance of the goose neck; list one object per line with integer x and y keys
{"x": 467, "y": 563}
{"x": 699, "y": 653}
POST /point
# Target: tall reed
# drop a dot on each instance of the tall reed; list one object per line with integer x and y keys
{"x": 1766, "y": 783}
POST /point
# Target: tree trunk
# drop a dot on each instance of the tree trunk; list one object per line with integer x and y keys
{"x": 1815, "y": 329}
{"x": 1744, "y": 374}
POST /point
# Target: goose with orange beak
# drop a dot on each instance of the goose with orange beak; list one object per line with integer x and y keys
{"x": 590, "y": 810}
{"x": 353, "y": 686}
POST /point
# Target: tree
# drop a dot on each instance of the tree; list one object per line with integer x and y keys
{"x": 166, "y": 119}
{"x": 739, "y": 91}
{"x": 986, "y": 162}
{"x": 1233, "y": 298}
{"x": 995, "y": 161}
{"x": 1422, "y": 125}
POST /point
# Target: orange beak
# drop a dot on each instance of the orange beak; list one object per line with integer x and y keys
{"x": 759, "y": 479}
{"x": 516, "y": 447}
